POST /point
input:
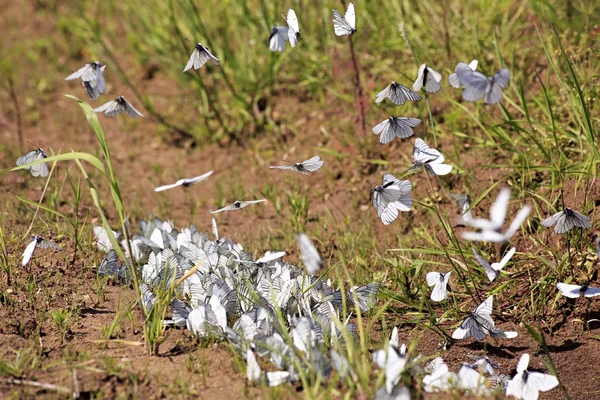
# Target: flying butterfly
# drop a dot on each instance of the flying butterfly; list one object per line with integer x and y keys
{"x": 395, "y": 127}
{"x": 575, "y": 291}
{"x": 397, "y": 94}
{"x": 564, "y": 221}
{"x": 391, "y": 196}
{"x": 238, "y": 205}
{"x": 493, "y": 270}
{"x": 116, "y": 107}
{"x": 199, "y": 57}
{"x": 465, "y": 69}
{"x": 91, "y": 79}
{"x": 346, "y": 25}
{"x": 430, "y": 159}
{"x": 464, "y": 203}
{"x": 439, "y": 282}
{"x": 304, "y": 167}
{"x": 293, "y": 27}
{"x": 187, "y": 182}
{"x": 279, "y": 35}
{"x": 478, "y": 323}
{"x": 37, "y": 169}
{"x": 527, "y": 384}
{"x": 428, "y": 79}
{"x": 477, "y": 85}
{"x": 309, "y": 254}
{"x": 36, "y": 241}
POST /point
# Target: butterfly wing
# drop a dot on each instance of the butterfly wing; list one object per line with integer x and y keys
{"x": 131, "y": 111}
{"x": 387, "y": 93}
{"x": 388, "y": 213}
{"x": 294, "y": 28}
{"x": 383, "y": 128}
{"x": 485, "y": 308}
{"x": 350, "y": 16}
{"x": 476, "y": 84}
{"x": 440, "y": 290}
{"x": 490, "y": 272}
{"x": 312, "y": 164}
{"x": 214, "y": 59}
{"x": 432, "y": 81}
{"x": 309, "y": 255}
{"x": 100, "y": 83}
{"x": 499, "y": 82}
{"x": 79, "y": 73}
{"x": 517, "y": 221}
{"x": 341, "y": 27}
{"x": 365, "y": 296}
{"x": 570, "y": 291}
{"x": 433, "y": 278}
{"x": 580, "y": 220}
{"x": 278, "y": 38}
{"x": 46, "y": 244}
{"x": 104, "y": 107}
{"x": 28, "y": 252}
{"x": 537, "y": 382}
{"x": 505, "y": 259}
{"x": 592, "y": 292}
{"x": 253, "y": 371}
{"x": 419, "y": 81}
{"x": 167, "y": 187}
{"x": 192, "y": 61}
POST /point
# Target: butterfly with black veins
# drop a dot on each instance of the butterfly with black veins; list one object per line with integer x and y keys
{"x": 439, "y": 282}
{"x": 477, "y": 85}
{"x": 395, "y": 127}
{"x": 36, "y": 170}
{"x": 365, "y": 296}
{"x": 238, "y": 205}
{"x": 36, "y": 241}
{"x": 427, "y": 79}
{"x": 186, "y": 182}
{"x": 576, "y": 291}
{"x": 109, "y": 265}
{"x": 91, "y": 79}
{"x": 564, "y": 221}
{"x": 439, "y": 377}
{"x": 391, "y": 196}
{"x": 279, "y": 35}
{"x": 527, "y": 384}
{"x": 430, "y": 159}
{"x": 199, "y": 57}
{"x": 116, "y": 107}
{"x": 470, "y": 378}
{"x": 392, "y": 362}
{"x": 493, "y": 270}
{"x": 293, "y": 27}
{"x": 465, "y": 69}
{"x": 311, "y": 165}
{"x": 397, "y": 94}
{"x": 344, "y": 25}
{"x": 464, "y": 203}
{"x": 309, "y": 255}
{"x": 478, "y": 323}
{"x": 491, "y": 230}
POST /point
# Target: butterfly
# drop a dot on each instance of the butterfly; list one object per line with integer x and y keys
{"x": 439, "y": 282}
{"x": 365, "y": 296}
{"x": 102, "y": 240}
{"x": 391, "y": 196}
{"x": 304, "y": 167}
{"x": 293, "y": 27}
{"x": 430, "y": 159}
{"x": 203, "y": 322}
{"x": 564, "y": 221}
{"x": 491, "y": 230}
{"x": 279, "y": 35}
{"x": 575, "y": 291}
{"x": 477, "y": 85}
{"x": 478, "y": 323}
{"x": 397, "y": 94}
{"x": 238, "y": 205}
{"x": 116, "y": 107}
{"x": 187, "y": 182}
{"x": 493, "y": 270}
{"x": 392, "y": 362}
{"x": 428, "y": 79}
{"x": 470, "y": 378}
{"x": 36, "y": 241}
{"x": 40, "y": 169}
{"x": 310, "y": 256}
{"x": 465, "y": 69}
{"x": 439, "y": 378}
{"x": 199, "y": 57}
{"x": 91, "y": 78}
{"x": 109, "y": 265}
{"x": 346, "y": 25}
{"x": 464, "y": 203}
{"x": 394, "y": 127}
{"x": 215, "y": 229}
{"x": 527, "y": 384}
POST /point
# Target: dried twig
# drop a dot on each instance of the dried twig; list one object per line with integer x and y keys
{"x": 41, "y": 385}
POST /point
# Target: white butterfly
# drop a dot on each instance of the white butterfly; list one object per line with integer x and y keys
{"x": 365, "y": 296}
{"x": 293, "y": 27}
{"x": 566, "y": 220}
{"x": 215, "y": 229}
{"x": 391, "y": 196}
{"x": 397, "y": 94}
{"x": 304, "y": 167}
{"x": 493, "y": 270}
{"x": 187, "y": 182}
{"x": 203, "y": 322}
{"x": 36, "y": 241}
{"x": 439, "y": 378}
{"x": 346, "y": 25}
{"x": 199, "y": 57}
{"x": 102, "y": 240}
{"x": 279, "y": 35}
{"x": 478, "y": 86}
{"x": 238, "y": 205}
{"x": 430, "y": 159}
{"x": 464, "y": 202}
{"x": 439, "y": 282}
{"x": 309, "y": 255}
{"x": 527, "y": 384}
{"x": 461, "y": 66}
{"x": 37, "y": 169}
{"x": 478, "y": 323}
{"x": 116, "y": 107}
{"x": 91, "y": 78}
{"x": 498, "y": 333}
{"x": 575, "y": 291}
{"x": 491, "y": 230}
{"x": 394, "y": 127}
{"x": 470, "y": 378}
{"x": 392, "y": 362}
{"x": 399, "y": 392}
{"x": 428, "y": 79}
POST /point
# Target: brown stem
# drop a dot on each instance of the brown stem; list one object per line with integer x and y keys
{"x": 15, "y": 100}
{"x": 361, "y": 97}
